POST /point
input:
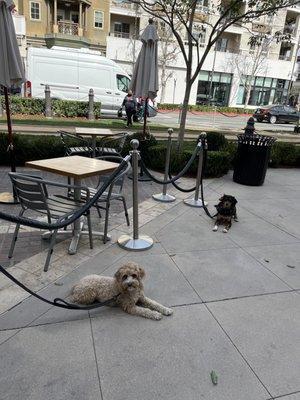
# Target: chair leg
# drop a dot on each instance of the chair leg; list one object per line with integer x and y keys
{"x": 125, "y": 209}
{"x": 106, "y": 222}
{"x": 13, "y": 242}
{"x": 88, "y": 217}
{"x": 15, "y": 236}
{"x": 98, "y": 211}
{"x": 50, "y": 251}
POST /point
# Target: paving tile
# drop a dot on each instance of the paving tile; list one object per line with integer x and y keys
{"x": 295, "y": 396}
{"x": 50, "y": 362}
{"x": 266, "y": 331}
{"x": 226, "y": 273}
{"x": 255, "y": 231}
{"x": 4, "y": 335}
{"x": 170, "y": 359}
{"x": 190, "y": 232}
{"x": 278, "y": 258}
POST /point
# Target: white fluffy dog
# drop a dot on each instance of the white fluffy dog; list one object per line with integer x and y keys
{"x": 126, "y": 286}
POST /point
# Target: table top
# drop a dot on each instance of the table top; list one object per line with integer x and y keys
{"x": 94, "y": 131}
{"x": 74, "y": 166}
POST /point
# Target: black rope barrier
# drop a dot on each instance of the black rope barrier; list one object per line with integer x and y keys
{"x": 201, "y": 184}
{"x": 72, "y": 216}
{"x": 228, "y": 116}
{"x": 182, "y": 189}
{"x": 57, "y": 302}
{"x": 183, "y": 172}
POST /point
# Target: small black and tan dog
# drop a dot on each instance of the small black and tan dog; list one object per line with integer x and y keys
{"x": 226, "y": 212}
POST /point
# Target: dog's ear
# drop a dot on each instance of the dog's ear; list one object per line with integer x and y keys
{"x": 222, "y": 197}
{"x": 142, "y": 272}
{"x": 118, "y": 274}
{"x": 234, "y": 201}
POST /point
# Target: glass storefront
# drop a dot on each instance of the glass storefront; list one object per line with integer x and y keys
{"x": 214, "y": 88}
{"x": 264, "y": 91}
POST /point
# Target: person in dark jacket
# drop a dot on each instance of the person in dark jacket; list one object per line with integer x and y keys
{"x": 130, "y": 105}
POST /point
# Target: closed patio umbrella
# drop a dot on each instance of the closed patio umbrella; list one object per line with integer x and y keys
{"x": 11, "y": 72}
{"x": 144, "y": 81}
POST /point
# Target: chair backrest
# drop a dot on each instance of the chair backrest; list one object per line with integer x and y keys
{"x": 119, "y": 181}
{"x": 69, "y": 140}
{"x": 117, "y": 141}
{"x": 31, "y": 192}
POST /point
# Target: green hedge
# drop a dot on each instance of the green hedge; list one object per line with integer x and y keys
{"x": 285, "y": 154}
{"x": 60, "y": 108}
{"x": 234, "y": 110}
{"x": 218, "y": 162}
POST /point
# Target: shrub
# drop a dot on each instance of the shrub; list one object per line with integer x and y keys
{"x": 285, "y": 154}
{"x": 60, "y": 108}
{"x": 218, "y": 162}
{"x": 234, "y": 110}
{"x": 31, "y": 147}
{"x": 145, "y": 143}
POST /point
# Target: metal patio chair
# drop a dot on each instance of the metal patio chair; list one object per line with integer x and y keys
{"x": 112, "y": 145}
{"x": 75, "y": 145}
{"x": 32, "y": 193}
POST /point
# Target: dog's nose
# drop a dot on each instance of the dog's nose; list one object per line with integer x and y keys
{"x": 129, "y": 284}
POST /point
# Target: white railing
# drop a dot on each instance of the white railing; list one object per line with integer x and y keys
{"x": 68, "y": 28}
{"x": 124, "y": 35}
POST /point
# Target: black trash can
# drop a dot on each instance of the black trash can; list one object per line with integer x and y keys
{"x": 252, "y": 159}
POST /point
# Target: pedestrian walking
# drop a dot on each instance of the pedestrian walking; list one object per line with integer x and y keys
{"x": 130, "y": 105}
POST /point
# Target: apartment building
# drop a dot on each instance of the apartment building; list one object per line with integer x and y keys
{"x": 73, "y": 23}
{"x": 227, "y": 66}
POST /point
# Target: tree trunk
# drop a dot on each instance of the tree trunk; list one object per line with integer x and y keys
{"x": 163, "y": 83}
{"x": 248, "y": 92}
{"x": 183, "y": 115}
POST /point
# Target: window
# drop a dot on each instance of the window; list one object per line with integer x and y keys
{"x": 98, "y": 19}
{"x": 264, "y": 91}
{"x": 35, "y": 11}
{"x": 221, "y": 44}
{"x": 213, "y": 88}
{"x": 123, "y": 83}
{"x": 121, "y": 29}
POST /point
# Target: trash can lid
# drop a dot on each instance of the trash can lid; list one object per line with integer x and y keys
{"x": 255, "y": 139}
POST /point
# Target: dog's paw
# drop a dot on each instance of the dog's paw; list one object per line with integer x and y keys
{"x": 168, "y": 311}
{"x": 225, "y": 230}
{"x": 215, "y": 228}
{"x": 156, "y": 316}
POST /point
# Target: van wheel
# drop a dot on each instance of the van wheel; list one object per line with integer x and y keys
{"x": 273, "y": 119}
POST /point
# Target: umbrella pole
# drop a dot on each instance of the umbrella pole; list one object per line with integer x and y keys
{"x": 6, "y": 197}
{"x": 10, "y": 134}
{"x": 143, "y": 177}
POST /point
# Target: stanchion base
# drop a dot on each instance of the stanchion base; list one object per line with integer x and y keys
{"x": 194, "y": 203}
{"x": 7, "y": 198}
{"x": 140, "y": 244}
{"x": 164, "y": 198}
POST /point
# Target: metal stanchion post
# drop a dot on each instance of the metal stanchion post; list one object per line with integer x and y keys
{"x": 164, "y": 196}
{"x": 196, "y": 201}
{"x": 91, "y": 115}
{"x": 135, "y": 242}
{"x": 48, "y": 110}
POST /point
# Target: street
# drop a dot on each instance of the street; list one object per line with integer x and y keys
{"x": 217, "y": 121}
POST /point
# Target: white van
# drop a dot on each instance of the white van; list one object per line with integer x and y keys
{"x": 70, "y": 73}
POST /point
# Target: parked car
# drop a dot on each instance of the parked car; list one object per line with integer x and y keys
{"x": 276, "y": 113}
{"x": 71, "y": 72}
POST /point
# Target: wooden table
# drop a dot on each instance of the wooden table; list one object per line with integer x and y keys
{"x": 76, "y": 167}
{"x": 94, "y": 133}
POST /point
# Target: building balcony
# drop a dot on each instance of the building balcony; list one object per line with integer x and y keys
{"x": 123, "y": 35}
{"x": 69, "y": 28}
{"x": 125, "y": 8}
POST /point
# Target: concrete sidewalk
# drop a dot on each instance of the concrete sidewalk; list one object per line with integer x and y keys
{"x": 236, "y": 300}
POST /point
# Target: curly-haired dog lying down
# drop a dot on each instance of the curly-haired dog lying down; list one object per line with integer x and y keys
{"x": 126, "y": 285}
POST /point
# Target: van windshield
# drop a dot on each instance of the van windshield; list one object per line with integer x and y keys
{"x": 123, "y": 83}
